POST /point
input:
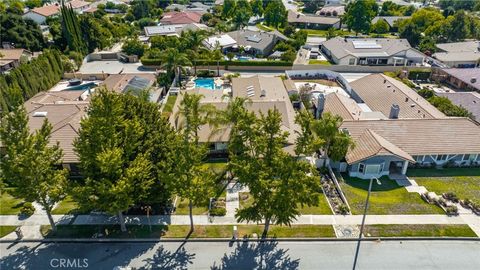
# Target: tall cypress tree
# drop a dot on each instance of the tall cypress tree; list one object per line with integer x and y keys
{"x": 71, "y": 30}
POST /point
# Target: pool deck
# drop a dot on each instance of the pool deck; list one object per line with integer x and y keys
{"x": 63, "y": 85}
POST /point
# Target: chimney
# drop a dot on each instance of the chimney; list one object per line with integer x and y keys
{"x": 394, "y": 111}
{"x": 320, "y": 106}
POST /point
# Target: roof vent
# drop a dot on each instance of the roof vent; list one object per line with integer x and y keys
{"x": 263, "y": 93}
{"x": 473, "y": 80}
{"x": 40, "y": 114}
{"x": 412, "y": 105}
{"x": 406, "y": 99}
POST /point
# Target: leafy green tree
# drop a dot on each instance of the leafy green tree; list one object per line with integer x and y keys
{"x": 275, "y": 13}
{"x": 141, "y": 8}
{"x": 192, "y": 180}
{"x": 174, "y": 61}
{"x": 242, "y": 13}
{"x": 458, "y": 26}
{"x": 312, "y": 6}
{"x": 33, "y": 3}
{"x": 24, "y": 33}
{"x": 125, "y": 154}
{"x": 359, "y": 14}
{"x": 257, "y": 7}
{"x": 193, "y": 39}
{"x": 134, "y": 46}
{"x": 427, "y": 45}
{"x": 278, "y": 182}
{"x": 307, "y": 143}
{"x": 94, "y": 34}
{"x": 411, "y": 32}
{"x": 29, "y": 162}
{"x": 331, "y": 33}
{"x": 380, "y": 27}
{"x": 16, "y": 7}
{"x": 71, "y": 29}
{"x": 228, "y": 8}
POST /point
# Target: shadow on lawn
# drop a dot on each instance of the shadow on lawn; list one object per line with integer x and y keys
{"x": 387, "y": 183}
{"x": 443, "y": 172}
{"x": 261, "y": 255}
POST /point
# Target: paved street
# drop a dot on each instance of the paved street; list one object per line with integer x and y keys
{"x": 273, "y": 255}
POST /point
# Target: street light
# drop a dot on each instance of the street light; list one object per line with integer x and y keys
{"x": 363, "y": 219}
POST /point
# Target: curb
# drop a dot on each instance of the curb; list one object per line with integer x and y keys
{"x": 227, "y": 240}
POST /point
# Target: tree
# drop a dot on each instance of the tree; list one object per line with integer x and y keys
{"x": 174, "y": 61}
{"x": 257, "y": 7}
{"x": 193, "y": 39}
{"x": 411, "y": 32}
{"x": 125, "y": 154}
{"x": 134, "y": 46}
{"x": 275, "y": 13}
{"x": 228, "y": 8}
{"x": 29, "y": 163}
{"x": 141, "y": 8}
{"x": 278, "y": 182}
{"x": 380, "y": 27}
{"x": 16, "y": 7}
{"x": 24, "y": 33}
{"x": 458, "y": 26}
{"x": 312, "y": 6}
{"x": 94, "y": 34}
{"x": 359, "y": 14}
{"x": 33, "y": 3}
{"x": 71, "y": 30}
{"x": 192, "y": 180}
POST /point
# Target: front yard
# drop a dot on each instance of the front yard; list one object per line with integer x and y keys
{"x": 419, "y": 230}
{"x": 321, "y": 209}
{"x": 464, "y": 182}
{"x": 386, "y": 199}
{"x": 319, "y": 62}
{"x": 9, "y": 205}
{"x": 4, "y": 230}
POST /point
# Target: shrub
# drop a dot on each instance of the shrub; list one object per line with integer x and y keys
{"x": 217, "y": 211}
{"x": 451, "y": 210}
{"x": 28, "y": 209}
{"x": 451, "y": 196}
{"x": 419, "y": 74}
{"x": 343, "y": 209}
{"x": 157, "y": 62}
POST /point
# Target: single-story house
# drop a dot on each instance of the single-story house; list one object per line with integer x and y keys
{"x": 372, "y": 52}
{"x": 181, "y": 17}
{"x": 331, "y": 11}
{"x": 172, "y": 29}
{"x": 467, "y": 100}
{"x": 134, "y": 83}
{"x": 308, "y": 21}
{"x": 390, "y": 20}
{"x": 11, "y": 58}
{"x": 194, "y": 6}
{"x": 40, "y": 14}
{"x": 465, "y": 79}
{"x": 389, "y": 146}
{"x": 254, "y": 42}
{"x": 459, "y": 54}
{"x": 264, "y": 93}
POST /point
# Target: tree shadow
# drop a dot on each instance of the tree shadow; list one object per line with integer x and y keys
{"x": 261, "y": 255}
{"x": 164, "y": 259}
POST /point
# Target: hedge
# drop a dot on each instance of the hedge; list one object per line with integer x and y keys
{"x": 157, "y": 62}
{"x": 419, "y": 74}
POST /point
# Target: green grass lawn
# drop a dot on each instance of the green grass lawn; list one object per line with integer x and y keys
{"x": 244, "y": 200}
{"x": 216, "y": 167}
{"x": 182, "y": 208}
{"x": 464, "y": 182}
{"x": 323, "y": 33}
{"x": 426, "y": 230}
{"x": 264, "y": 27}
{"x": 67, "y": 206}
{"x": 4, "y": 230}
{"x": 322, "y": 209}
{"x": 9, "y": 205}
{"x": 181, "y": 231}
{"x": 388, "y": 198}
{"x": 168, "y": 108}
{"x": 319, "y": 62}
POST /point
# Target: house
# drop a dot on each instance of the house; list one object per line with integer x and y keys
{"x": 78, "y": 6}
{"x": 390, "y": 20}
{"x": 172, "y": 30}
{"x": 64, "y": 110}
{"x": 181, "y": 17}
{"x": 134, "y": 84}
{"x": 40, "y": 14}
{"x": 465, "y": 79}
{"x": 253, "y": 42}
{"x": 459, "y": 54}
{"x": 264, "y": 93}
{"x": 194, "y": 6}
{"x": 331, "y": 11}
{"x": 371, "y": 52}
{"x": 307, "y": 21}
{"x": 467, "y": 100}
{"x": 12, "y": 58}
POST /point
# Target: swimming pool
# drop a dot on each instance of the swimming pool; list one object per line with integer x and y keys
{"x": 207, "y": 83}
{"x": 85, "y": 86}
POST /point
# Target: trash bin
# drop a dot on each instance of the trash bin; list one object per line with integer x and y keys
{"x": 235, "y": 232}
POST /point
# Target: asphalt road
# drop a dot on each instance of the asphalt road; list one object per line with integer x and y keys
{"x": 218, "y": 255}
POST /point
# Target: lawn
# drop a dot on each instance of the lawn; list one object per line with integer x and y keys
{"x": 9, "y": 205}
{"x": 425, "y": 230}
{"x": 264, "y": 27}
{"x": 321, "y": 209}
{"x": 67, "y": 206}
{"x": 464, "y": 182}
{"x": 182, "y": 208}
{"x": 216, "y": 167}
{"x": 4, "y": 230}
{"x": 168, "y": 108}
{"x": 323, "y": 33}
{"x": 385, "y": 199}
{"x": 181, "y": 231}
{"x": 245, "y": 199}
{"x": 319, "y": 62}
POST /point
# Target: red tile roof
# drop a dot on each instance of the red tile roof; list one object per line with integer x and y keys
{"x": 47, "y": 11}
{"x": 181, "y": 17}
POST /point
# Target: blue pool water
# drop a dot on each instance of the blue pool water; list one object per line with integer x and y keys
{"x": 207, "y": 83}
{"x": 244, "y": 58}
{"x": 85, "y": 86}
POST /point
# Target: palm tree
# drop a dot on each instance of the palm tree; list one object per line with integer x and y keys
{"x": 173, "y": 60}
{"x": 194, "y": 39}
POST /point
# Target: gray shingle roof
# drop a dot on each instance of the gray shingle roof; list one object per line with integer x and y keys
{"x": 341, "y": 47}
{"x": 467, "y": 100}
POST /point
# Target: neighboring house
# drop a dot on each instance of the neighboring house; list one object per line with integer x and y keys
{"x": 459, "y": 54}
{"x": 308, "y": 21}
{"x": 253, "y": 42}
{"x": 390, "y": 20}
{"x": 372, "y": 52}
{"x": 181, "y": 17}
{"x": 64, "y": 110}
{"x": 40, "y": 14}
{"x": 134, "y": 84}
{"x": 172, "y": 30}
{"x": 78, "y": 6}
{"x": 11, "y": 58}
{"x": 467, "y": 100}
{"x": 465, "y": 79}
{"x": 264, "y": 93}
{"x": 194, "y": 6}
{"x": 331, "y": 11}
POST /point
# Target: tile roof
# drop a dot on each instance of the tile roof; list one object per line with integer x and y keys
{"x": 118, "y": 82}
{"x": 78, "y": 4}
{"x": 12, "y": 54}
{"x": 342, "y": 106}
{"x": 467, "y": 100}
{"x": 47, "y": 11}
{"x": 180, "y": 17}
{"x": 466, "y": 46}
{"x": 341, "y": 47}
{"x": 370, "y": 144}
{"x": 457, "y": 56}
{"x": 380, "y": 92}
{"x": 465, "y": 75}
{"x": 295, "y": 17}
{"x": 422, "y": 136}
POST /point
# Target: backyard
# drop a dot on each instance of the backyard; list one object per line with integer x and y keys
{"x": 167, "y": 109}
{"x": 386, "y": 199}
{"x": 464, "y": 182}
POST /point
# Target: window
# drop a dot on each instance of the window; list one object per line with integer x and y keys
{"x": 372, "y": 169}
{"x": 469, "y": 157}
{"x": 361, "y": 168}
{"x": 351, "y": 61}
{"x": 419, "y": 158}
{"x": 442, "y": 157}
